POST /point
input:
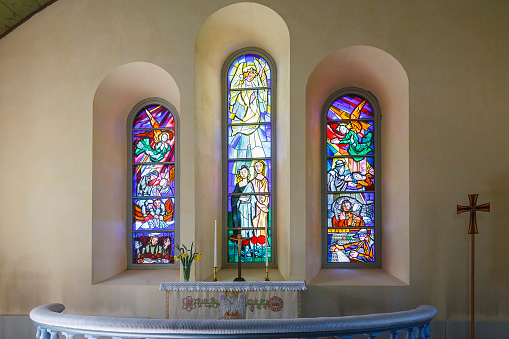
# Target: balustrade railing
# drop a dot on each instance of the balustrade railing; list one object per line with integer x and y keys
{"x": 414, "y": 324}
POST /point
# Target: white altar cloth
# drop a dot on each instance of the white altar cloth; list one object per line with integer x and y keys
{"x": 233, "y": 300}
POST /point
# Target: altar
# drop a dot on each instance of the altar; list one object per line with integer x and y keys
{"x": 233, "y": 300}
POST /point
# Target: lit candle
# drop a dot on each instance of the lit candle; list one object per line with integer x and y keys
{"x": 215, "y": 243}
{"x": 266, "y": 247}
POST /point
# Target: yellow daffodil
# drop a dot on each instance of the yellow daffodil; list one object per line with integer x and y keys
{"x": 184, "y": 255}
{"x": 176, "y": 258}
{"x": 197, "y": 256}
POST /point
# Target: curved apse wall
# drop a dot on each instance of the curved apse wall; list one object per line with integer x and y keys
{"x": 378, "y": 72}
{"x": 227, "y": 30}
{"x": 117, "y": 94}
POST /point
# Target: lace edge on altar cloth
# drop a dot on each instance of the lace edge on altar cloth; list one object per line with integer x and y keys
{"x": 223, "y": 286}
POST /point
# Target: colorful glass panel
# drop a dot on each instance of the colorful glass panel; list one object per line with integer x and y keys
{"x": 351, "y": 210}
{"x": 153, "y": 247}
{"x": 154, "y": 180}
{"x": 154, "y": 214}
{"x": 249, "y": 70}
{"x": 351, "y": 245}
{"x": 242, "y": 214}
{"x": 252, "y": 171}
{"x": 153, "y": 146}
{"x": 253, "y": 248}
{"x": 257, "y": 146}
{"x": 153, "y": 186}
{"x": 250, "y": 106}
{"x": 249, "y": 151}
{"x": 350, "y": 107}
{"x": 349, "y": 142}
{"x": 340, "y": 177}
{"x": 354, "y": 138}
{"x": 154, "y": 117}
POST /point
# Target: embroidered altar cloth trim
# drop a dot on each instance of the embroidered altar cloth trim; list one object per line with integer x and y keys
{"x": 237, "y": 286}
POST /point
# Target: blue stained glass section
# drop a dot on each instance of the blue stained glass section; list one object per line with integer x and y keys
{"x": 249, "y": 141}
{"x": 346, "y": 174}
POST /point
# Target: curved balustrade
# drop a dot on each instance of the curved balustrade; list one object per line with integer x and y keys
{"x": 49, "y": 322}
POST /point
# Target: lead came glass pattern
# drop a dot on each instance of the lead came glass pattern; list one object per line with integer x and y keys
{"x": 249, "y": 155}
{"x": 350, "y": 191}
{"x": 153, "y": 186}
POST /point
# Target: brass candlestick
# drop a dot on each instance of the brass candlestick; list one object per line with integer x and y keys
{"x": 267, "y": 273}
{"x": 215, "y": 274}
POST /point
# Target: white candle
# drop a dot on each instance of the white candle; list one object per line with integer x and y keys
{"x": 266, "y": 247}
{"x": 215, "y": 243}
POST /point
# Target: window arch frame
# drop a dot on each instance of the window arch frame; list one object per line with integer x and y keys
{"x": 129, "y": 195}
{"x": 224, "y": 156}
{"x": 377, "y": 159}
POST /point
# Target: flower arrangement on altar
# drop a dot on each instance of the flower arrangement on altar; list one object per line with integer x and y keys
{"x": 187, "y": 256}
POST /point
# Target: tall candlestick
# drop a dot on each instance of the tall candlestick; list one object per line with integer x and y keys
{"x": 215, "y": 243}
{"x": 266, "y": 247}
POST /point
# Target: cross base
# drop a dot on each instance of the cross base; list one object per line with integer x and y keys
{"x": 239, "y": 279}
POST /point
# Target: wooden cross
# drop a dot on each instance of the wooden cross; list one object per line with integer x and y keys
{"x": 472, "y": 230}
{"x": 239, "y": 239}
{"x": 473, "y": 208}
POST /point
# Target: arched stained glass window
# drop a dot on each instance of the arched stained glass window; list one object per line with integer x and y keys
{"x": 152, "y": 190}
{"x": 249, "y": 200}
{"x": 351, "y": 180}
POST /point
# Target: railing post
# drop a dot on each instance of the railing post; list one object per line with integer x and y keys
{"x": 68, "y": 335}
{"x": 372, "y": 335}
{"x": 410, "y": 333}
{"x": 427, "y": 331}
{"x": 54, "y": 334}
{"x": 394, "y": 334}
{"x": 44, "y": 334}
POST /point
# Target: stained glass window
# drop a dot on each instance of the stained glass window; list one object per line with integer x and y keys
{"x": 248, "y": 158}
{"x": 351, "y": 138}
{"x": 152, "y": 198}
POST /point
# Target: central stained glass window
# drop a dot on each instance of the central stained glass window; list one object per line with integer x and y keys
{"x": 248, "y": 157}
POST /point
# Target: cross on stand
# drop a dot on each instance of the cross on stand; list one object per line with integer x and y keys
{"x": 239, "y": 239}
{"x": 472, "y": 230}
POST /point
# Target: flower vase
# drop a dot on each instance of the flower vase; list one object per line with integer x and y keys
{"x": 187, "y": 272}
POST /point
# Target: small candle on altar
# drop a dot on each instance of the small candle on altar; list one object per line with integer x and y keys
{"x": 215, "y": 243}
{"x": 266, "y": 247}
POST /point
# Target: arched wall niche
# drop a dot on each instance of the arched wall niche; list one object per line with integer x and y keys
{"x": 225, "y": 31}
{"x": 378, "y": 72}
{"x": 114, "y": 98}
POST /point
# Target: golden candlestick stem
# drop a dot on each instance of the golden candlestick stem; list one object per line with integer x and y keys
{"x": 266, "y": 273}
{"x": 215, "y": 274}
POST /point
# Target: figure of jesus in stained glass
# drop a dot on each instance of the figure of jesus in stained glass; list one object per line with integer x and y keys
{"x": 261, "y": 185}
{"x": 248, "y": 107}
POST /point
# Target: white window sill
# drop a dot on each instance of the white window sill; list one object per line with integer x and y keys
{"x": 355, "y": 277}
{"x": 143, "y": 277}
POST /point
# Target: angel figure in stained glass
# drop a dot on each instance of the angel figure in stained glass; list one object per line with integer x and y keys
{"x": 155, "y": 144}
{"x": 355, "y": 139}
{"x": 246, "y": 107}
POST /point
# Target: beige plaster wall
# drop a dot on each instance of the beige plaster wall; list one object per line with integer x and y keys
{"x": 454, "y": 54}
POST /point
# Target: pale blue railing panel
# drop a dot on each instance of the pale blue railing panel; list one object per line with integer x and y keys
{"x": 50, "y": 322}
